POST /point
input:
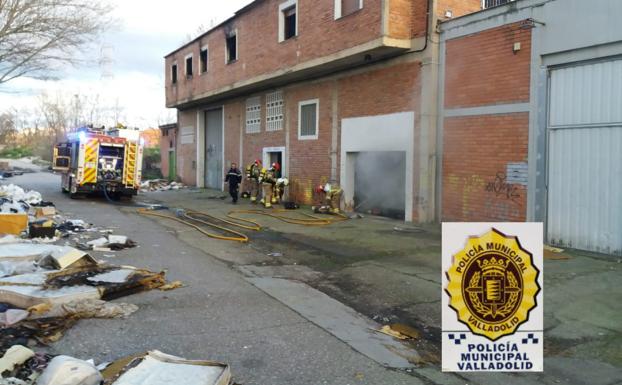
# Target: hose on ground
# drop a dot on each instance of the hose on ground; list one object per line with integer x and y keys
{"x": 237, "y": 236}
{"x": 308, "y": 220}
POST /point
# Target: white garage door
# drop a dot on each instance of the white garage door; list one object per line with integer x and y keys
{"x": 585, "y": 157}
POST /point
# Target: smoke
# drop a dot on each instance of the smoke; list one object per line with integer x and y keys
{"x": 379, "y": 183}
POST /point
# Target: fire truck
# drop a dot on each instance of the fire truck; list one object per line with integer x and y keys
{"x": 100, "y": 161}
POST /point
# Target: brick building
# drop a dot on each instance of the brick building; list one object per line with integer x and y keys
{"x": 329, "y": 88}
{"x": 531, "y": 119}
{"x": 510, "y": 113}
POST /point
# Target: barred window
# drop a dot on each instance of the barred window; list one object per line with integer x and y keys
{"x": 308, "y": 114}
{"x": 274, "y": 111}
{"x": 253, "y": 115}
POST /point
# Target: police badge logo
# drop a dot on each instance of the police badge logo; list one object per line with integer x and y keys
{"x": 493, "y": 284}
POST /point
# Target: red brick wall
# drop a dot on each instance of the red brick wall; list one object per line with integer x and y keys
{"x": 259, "y": 51}
{"x": 475, "y": 153}
{"x": 401, "y": 18}
{"x": 483, "y": 69}
{"x": 458, "y": 7}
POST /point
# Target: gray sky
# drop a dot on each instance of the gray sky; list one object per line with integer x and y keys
{"x": 149, "y": 29}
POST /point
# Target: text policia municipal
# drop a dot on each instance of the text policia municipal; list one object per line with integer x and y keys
{"x": 494, "y": 357}
{"x": 491, "y": 247}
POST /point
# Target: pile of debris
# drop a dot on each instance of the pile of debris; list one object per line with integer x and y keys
{"x": 46, "y": 288}
{"x": 160, "y": 185}
{"x": 22, "y": 366}
{"x": 6, "y": 171}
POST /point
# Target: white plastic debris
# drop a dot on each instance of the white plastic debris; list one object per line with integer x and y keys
{"x": 99, "y": 242}
{"x": 13, "y": 316}
{"x": 120, "y": 239}
{"x": 16, "y": 355}
{"x": 16, "y": 194}
{"x": 65, "y": 370}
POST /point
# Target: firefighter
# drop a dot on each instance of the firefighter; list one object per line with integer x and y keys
{"x": 330, "y": 198}
{"x": 268, "y": 181}
{"x": 234, "y": 177}
{"x": 279, "y": 189}
{"x": 253, "y": 172}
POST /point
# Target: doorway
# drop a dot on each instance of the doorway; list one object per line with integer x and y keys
{"x": 172, "y": 166}
{"x": 379, "y": 183}
{"x": 214, "y": 149}
{"x": 275, "y": 155}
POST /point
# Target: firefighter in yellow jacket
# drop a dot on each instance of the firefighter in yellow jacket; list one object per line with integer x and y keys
{"x": 331, "y": 200}
{"x": 268, "y": 180}
{"x": 253, "y": 173}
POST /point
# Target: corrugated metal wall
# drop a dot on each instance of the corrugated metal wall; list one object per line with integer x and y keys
{"x": 585, "y": 157}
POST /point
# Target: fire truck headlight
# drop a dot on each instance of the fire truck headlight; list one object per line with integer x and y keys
{"x": 142, "y": 142}
{"x": 82, "y": 136}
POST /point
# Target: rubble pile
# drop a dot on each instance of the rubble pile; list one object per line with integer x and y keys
{"x": 160, "y": 185}
{"x": 13, "y": 199}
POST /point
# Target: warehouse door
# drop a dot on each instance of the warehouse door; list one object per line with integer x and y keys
{"x": 585, "y": 157}
{"x": 213, "y": 149}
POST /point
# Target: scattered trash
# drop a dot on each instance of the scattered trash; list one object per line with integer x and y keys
{"x": 408, "y": 229}
{"x": 393, "y": 333}
{"x": 553, "y": 249}
{"x": 45, "y": 211}
{"x": 171, "y": 286}
{"x": 11, "y": 223}
{"x": 160, "y": 185}
{"x": 16, "y": 355}
{"x": 112, "y": 242}
{"x": 90, "y": 308}
{"x": 276, "y": 255}
{"x": 65, "y": 370}
{"x": 17, "y": 194}
{"x": 157, "y": 368}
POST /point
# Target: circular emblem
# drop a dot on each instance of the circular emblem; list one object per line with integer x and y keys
{"x": 493, "y": 284}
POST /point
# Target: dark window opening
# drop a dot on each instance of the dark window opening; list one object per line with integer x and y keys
{"x": 174, "y": 73}
{"x": 170, "y": 144}
{"x": 289, "y": 19}
{"x": 232, "y": 48}
{"x": 349, "y": 6}
{"x": 189, "y": 67}
{"x": 203, "y": 59}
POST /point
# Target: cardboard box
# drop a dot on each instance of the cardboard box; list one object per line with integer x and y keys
{"x": 13, "y": 223}
{"x": 45, "y": 211}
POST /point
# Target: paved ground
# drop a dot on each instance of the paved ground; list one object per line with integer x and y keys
{"x": 366, "y": 264}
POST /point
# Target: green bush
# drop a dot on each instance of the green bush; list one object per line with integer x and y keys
{"x": 16, "y": 152}
{"x": 151, "y": 159}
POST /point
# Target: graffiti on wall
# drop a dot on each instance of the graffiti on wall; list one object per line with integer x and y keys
{"x": 502, "y": 188}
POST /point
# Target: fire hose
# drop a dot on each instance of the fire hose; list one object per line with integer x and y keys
{"x": 308, "y": 220}
{"x": 237, "y": 236}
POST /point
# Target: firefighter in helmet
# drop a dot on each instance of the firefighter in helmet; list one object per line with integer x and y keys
{"x": 279, "y": 189}
{"x": 330, "y": 196}
{"x": 268, "y": 180}
{"x": 253, "y": 172}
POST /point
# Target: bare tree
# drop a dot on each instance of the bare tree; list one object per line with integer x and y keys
{"x": 39, "y": 36}
{"x": 7, "y": 128}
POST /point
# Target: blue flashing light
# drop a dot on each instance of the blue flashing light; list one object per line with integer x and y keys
{"x": 82, "y": 136}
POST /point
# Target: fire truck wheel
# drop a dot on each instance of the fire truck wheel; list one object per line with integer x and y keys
{"x": 73, "y": 189}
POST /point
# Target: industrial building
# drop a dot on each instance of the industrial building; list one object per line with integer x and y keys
{"x": 429, "y": 110}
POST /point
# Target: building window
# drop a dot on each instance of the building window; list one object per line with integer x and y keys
{"x": 346, "y": 7}
{"x": 253, "y": 115}
{"x": 274, "y": 111}
{"x": 203, "y": 58}
{"x": 189, "y": 66}
{"x": 308, "y": 119}
{"x": 494, "y": 3}
{"x": 174, "y": 73}
{"x": 232, "y": 47}
{"x": 288, "y": 20}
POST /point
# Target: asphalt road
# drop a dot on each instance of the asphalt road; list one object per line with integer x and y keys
{"x": 217, "y": 316}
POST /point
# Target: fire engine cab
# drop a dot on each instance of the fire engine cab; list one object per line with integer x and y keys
{"x": 100, "y": 161}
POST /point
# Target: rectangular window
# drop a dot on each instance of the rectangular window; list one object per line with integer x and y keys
{"x": 204, "y": 57}
{"x": 288, "y": 20}
{"x": 346, "y": 7}
{"x": 174, "y": 73}
{"x": 253, "y": 115}
{"x": 232, "y": 47}
{"x": 189, "y": 66}
{"x": 308, "y": 119}
{"x": 274, "y": 111}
